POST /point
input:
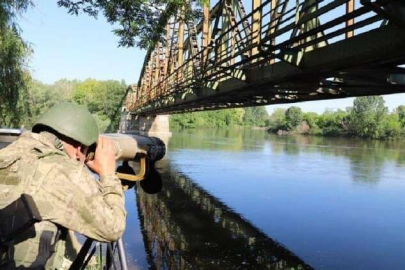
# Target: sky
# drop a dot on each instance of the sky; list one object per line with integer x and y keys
{"x": 76, "y": 47}
{"x": 81, "y": 47}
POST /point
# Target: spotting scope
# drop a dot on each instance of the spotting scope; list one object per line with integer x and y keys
{"x": 133, "y": 147}
{"x": 143, "y": 149}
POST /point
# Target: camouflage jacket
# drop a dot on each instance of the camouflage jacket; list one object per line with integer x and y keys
{"x": 66, "y": 193}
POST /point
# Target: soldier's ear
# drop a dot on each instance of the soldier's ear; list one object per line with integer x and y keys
{"x": 77, "y": 152}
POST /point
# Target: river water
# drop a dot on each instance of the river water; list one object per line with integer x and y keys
{"x": 246, "y": 199}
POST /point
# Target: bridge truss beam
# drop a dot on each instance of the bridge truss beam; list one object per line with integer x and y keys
{"x": 281, "y": 52}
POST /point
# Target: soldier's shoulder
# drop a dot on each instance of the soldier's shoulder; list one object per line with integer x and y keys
{"x": 23, "y": 144}
{"x": 16, "y": 149}
{"x": 31, "y": 146}
{"x": 62, "y": 163}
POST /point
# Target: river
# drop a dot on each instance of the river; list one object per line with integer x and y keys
{"x": 246, "y": 199}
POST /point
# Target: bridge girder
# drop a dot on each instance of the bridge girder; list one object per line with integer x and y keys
{"x": 281, "y": 52}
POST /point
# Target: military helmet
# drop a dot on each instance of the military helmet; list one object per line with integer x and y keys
{"x": 71, "y": 120}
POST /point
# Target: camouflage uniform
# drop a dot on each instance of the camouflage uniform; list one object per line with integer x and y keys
{"x": 67, "y": 196}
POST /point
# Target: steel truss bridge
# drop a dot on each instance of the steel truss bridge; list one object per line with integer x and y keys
{"x": 283, "y": 51}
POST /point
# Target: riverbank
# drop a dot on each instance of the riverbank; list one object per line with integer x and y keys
{"x": 367, "y": 118}
{"x": 284, "y": 133}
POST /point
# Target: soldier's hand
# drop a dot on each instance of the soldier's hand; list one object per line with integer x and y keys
{"x": 104, "y": 158}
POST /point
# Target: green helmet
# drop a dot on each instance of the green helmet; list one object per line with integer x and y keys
{"x": 71, "y": 120}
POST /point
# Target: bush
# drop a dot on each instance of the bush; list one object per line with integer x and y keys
{"x": 368, "y": 118}
{"x": 293, "y": 117}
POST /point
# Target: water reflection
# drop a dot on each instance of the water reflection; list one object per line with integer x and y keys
{"x": 225, "y": 139}
{"x": 184, "y": 227}
{"x": 367, "y": 158}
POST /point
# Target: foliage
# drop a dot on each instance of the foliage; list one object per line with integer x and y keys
{"x": 293, "y": 117}
{"x": 13, "y": 76}
{"x": 255, "y": 116}
{"x": 40, "y": 98}
{"x": 276, "y": 120}
{"x": 401, "y": 114}
{"x": 333, "y": 123}
{"x": 9, "y": 9}
{"x": 391, "y": 126}
{"x": 13, "y": 59}
{"x": 219, "y": 118}
{"x": 311, "y": 119}
{"x": 368, "y": 118}
{"x": 141, "y": 22}
{"x": 102, "y": 98}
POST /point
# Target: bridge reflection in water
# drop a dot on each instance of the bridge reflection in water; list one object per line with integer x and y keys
{"x": 184, "y": 227}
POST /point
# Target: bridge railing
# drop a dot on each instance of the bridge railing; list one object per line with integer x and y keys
{"x": 274, "y": 31}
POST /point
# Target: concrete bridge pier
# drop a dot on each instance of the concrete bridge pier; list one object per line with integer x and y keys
{"x": 151, "y": 125}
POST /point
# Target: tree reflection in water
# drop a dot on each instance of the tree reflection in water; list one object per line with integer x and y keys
{"x": 367, "y": 157}
{"x": 184, "y": 227}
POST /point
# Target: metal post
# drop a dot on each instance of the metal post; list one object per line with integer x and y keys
{"x": 181, "y": 42}
{"x": 122, "y": 255}
{"x": 157, "y": 69}
{"x": 349, "y": 9}
{"x": 256, "y": 24}
{"x": 110, "y": 257}
{"x": 100, "y": 256}
{"x": 273, "y": 18}
{"x": 233, "y": 39}
{"x": 166, "y": 57}
{"x": 206, "y": 30}
{"x": 151, "y": 63}
{"x": 224, "y": 43}
{"x": 312, "y": 6}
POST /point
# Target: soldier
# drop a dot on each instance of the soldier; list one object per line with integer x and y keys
{"x": 50, "y": 164}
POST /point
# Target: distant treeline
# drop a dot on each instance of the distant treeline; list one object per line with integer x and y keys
{"x": 251, "y": 116}
{"x": 102, "y": 98}
{"x": 368, "y": 118}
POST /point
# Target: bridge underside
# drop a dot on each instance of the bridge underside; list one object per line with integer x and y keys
{"x": 369, "y": 63}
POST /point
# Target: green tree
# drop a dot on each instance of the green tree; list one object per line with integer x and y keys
{"x": 102, "y": 98}
{"x": 219, "y": 118}
{"x": 13, "y": 61}
{"x": 311, "y": 118}
{"x": 185, "y": 120}
{"x": 65, "y": 88}
{"x": 293, "y": 117}
{"x": 333, "y": 123}
{"x": 141, "y": 23}
{"x": 255, "y": 116}
{"x": 391, "y": 126}
{"x": 40, "y": 98}
{"x": 400, "y": 110}
{"x": 277, "y": 120}
{"x": 367, "y": 116}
